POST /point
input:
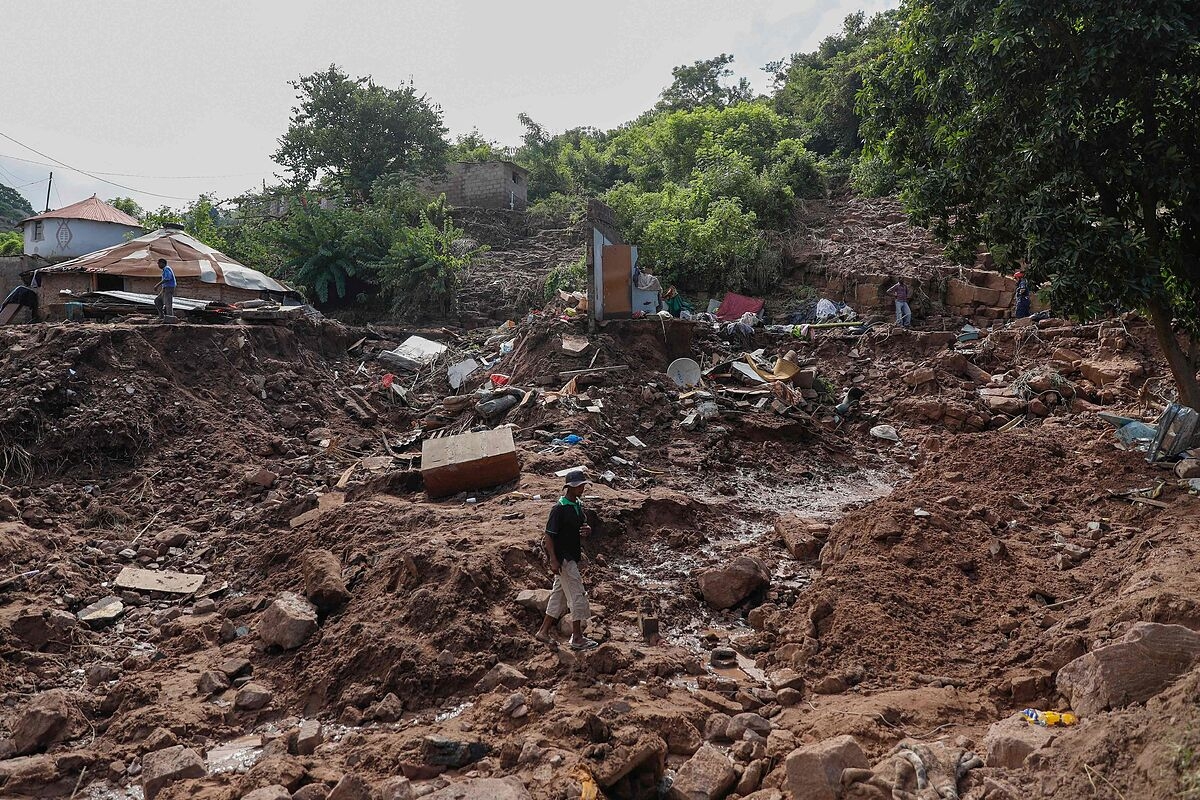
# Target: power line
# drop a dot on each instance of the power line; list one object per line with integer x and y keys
{"x": 134, "y": 175}
{"x": 90, "y": 175}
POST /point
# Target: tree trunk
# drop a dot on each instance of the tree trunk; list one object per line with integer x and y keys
{"x": 1183, "y": 370}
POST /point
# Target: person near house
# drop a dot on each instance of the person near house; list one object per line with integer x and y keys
{"x": 165, "y": 298}
{"x": 903, "y": 313}
{"x": 565, "y": 529}
{"x": 1022, "y": 294}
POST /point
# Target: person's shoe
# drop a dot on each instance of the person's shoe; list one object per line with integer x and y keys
{"x": 583, "y": 644}
{"x": 543, "y": 638}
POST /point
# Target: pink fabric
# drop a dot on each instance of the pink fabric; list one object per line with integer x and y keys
{"x": 734, "y": 305}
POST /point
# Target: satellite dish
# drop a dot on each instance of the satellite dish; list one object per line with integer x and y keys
{"x": 684, "y": 371}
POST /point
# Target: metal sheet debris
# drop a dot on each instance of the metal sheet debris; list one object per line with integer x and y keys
{"x": 459, "y": 372}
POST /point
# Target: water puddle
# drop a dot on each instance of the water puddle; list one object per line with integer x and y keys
{"x": 237, "y": 755}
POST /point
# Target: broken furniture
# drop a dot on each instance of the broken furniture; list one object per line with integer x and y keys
{"x": 468, "y": 461}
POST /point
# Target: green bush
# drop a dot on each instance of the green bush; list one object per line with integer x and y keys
{"x": 421, "y": 270}
{"x": 12, "y": 243}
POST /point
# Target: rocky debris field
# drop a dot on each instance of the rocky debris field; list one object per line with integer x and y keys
{"x": 223, "y": 578}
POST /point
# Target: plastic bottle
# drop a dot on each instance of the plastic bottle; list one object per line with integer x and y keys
{"x": 1049, "y": 718}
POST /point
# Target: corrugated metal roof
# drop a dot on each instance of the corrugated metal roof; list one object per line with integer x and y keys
{"x": 187, "y": 256}
{"x": 92, "y": 209}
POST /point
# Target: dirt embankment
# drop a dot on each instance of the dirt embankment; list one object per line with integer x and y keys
{"x": 797, "y": 597}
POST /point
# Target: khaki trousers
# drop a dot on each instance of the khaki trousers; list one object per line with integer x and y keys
{"x": 568, "y": 594}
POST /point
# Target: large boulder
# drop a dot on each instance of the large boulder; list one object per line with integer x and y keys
{"x": 1103, "y": 373}
{"x": 1009, "y": 741}
{"x": 814, "y": 772}
{"x": 708, "y": 775}
{"x": 288, "y": 621}
{"x": 802, "y": 537}
{"x": 727, "y": 585}
{"x": 1147, "y": 659}
{"x": 168, "y": 766}
{"x": 45, "y": 629}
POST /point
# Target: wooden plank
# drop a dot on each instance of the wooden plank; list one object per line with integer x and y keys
{"x": 155, "y": 580}
{"x": 571, "y": 373}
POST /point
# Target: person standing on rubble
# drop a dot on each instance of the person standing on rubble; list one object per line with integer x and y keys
{"x": 903, "y": 313}
{"x": 165, "y": 298}
{"x": 564, "y": 530}
{"x": 1022, "y": 294}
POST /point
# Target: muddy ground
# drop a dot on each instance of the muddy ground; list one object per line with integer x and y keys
{"x": 917, "y": 591}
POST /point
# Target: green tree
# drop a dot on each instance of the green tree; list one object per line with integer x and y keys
{"x": 128, "y": 205}
{"x": 200, "y": 218}
{"x": 351, "y": 131}
{"x": 703, "y": 83}
{"x": 13, "y": 207}
{"x": 12, "y": 243}
{"x": 1065, "y": 132}
{"x": 475, "y": 148}
{"x": 818, "y": 90}
{"x": 420, "y": 273}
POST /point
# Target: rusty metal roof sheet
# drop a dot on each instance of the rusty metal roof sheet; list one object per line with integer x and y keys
{"x": 187, "y": 256}
{"x": 92, "y": 209}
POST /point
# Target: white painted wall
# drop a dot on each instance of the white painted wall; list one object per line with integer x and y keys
{"x": 82, "y": 236}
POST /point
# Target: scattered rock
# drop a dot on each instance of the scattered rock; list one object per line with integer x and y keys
{"x": 814, "y": 772}
{"x": 534, "y": 599}
{"x": 442, "y": 751}
{"x": 501, "y": 675}
{"x": 277, "y": 769}
{"x": 211, "y": 682}
{"x": 102, "y": 612}
{"x": 205, "y": 606}
{"x": 288, "y": 622}
{"x": 397, "y": 788}
{"x": 715, "y": 727}
{"x": 786, "y": 679}
{"x": 272, "y": 792}
{"x": 645, "y": 755}
{"x": 751, "y": 777}
{"x": 48, "y": 629}
{"x": 262, "y": 478}
{"x": 350, "y": 787}
{"x": 323, "y": 582}
{"x": 830, "y": 684}
{"x": 236, "y": 667}
{"x": 47, "y": 718}
{"x": 541, "y": 700}
{"x": 252, "y": 697}
{"x": 169, "y": 765}
{"x": 1009, "y": 741}
{"x": 730, "y": 584}
{"x": 159, "y": 739}
{"x": 389, "y": 709}
{"x": 708, "y": 775}
{"x": 509, "y": 788}
{"x": 749, "y": 721}
{"x": 97, "y": 674}
{"x": 309, "y": 737}
{"x": 1146, "y": 660}
{"x": 314, "y": 791}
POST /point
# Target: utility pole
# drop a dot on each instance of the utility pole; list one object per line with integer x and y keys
{"x": 48, "y": 185}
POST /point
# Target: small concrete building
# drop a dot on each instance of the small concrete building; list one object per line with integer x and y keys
{"x": 77, "y": 229}
{"x": 489, "y": 184}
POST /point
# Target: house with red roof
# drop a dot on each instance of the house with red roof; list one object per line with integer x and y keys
{"x": 77, "y": 229}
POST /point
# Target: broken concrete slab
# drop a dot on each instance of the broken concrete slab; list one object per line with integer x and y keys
{"x": 469, "y": 461}
{"x": 1148, "y": 658}
{"x": 415, "y": 352}
{"x": 152, "y": 580}
{"x": 102, "y": 612}
{"x": 47, "y": 718}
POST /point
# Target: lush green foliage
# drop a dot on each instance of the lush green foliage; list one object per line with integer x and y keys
{"x": 326, "y": 250}
{"x": 703, "y": 83}
{"x": 475, "y": 148}
{"x": 12, "y": 243}
{"x": 200, "y": 218}
{"x": 351, "y": 131}
{"x": 13, "y": 207}
{"x": 128, "y": 205}
{"x": 421, "y": 270}
{"x": 1064, "y": 132}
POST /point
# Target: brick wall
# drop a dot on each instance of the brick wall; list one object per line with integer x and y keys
{"x": 495, "y": 184}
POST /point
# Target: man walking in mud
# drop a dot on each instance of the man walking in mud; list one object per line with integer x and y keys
{"x": 564, "y": 530}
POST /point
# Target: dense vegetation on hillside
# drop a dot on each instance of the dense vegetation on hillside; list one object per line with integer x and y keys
{"x": 13, "y": 208}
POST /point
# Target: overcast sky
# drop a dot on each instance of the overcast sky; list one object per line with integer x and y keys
{"x": 183, "y": 98}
